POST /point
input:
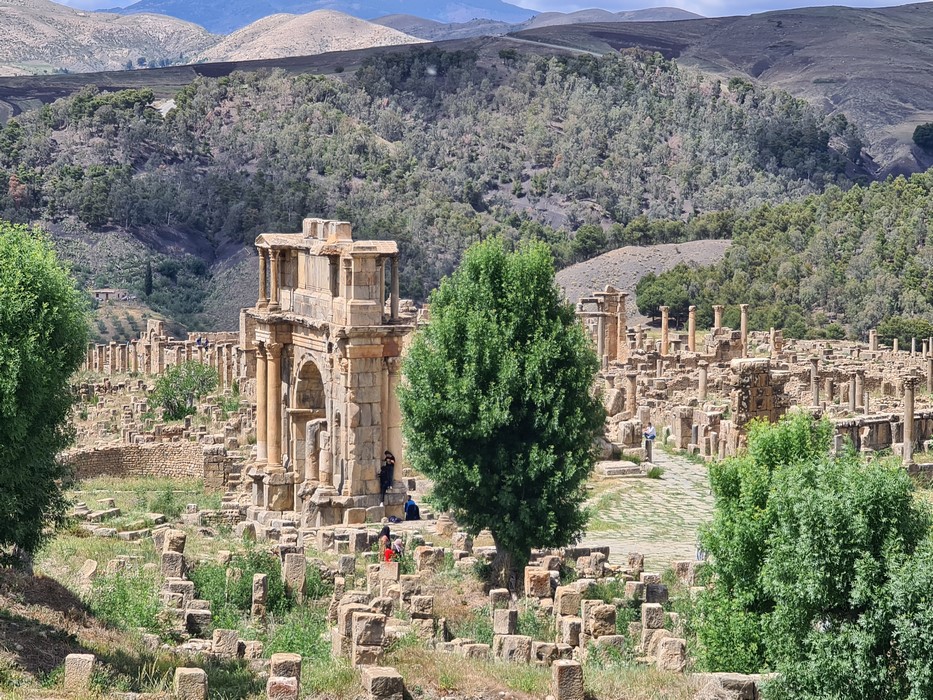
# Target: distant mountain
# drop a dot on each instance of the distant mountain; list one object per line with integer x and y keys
{"x": 224, "y": 16}
{"x": 278, "y": 36}
{"x": 438, "y": 31}
{"x": 43, "y": 37}
{"x": 875, "y": 66}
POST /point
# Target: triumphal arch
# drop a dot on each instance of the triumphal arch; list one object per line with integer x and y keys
{"x": 325, "y": 338}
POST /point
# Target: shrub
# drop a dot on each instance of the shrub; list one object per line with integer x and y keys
{"x": 923, "y": 136}
{"x": 655, "y": 472}
{"x": 180, "y": 386}
{"x": 127, "y": 600}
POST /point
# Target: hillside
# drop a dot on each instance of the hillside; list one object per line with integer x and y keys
{"x": 858, "y": 257}
{"x": 278, "y": 36}
{"x": 433, "y": 149}
{"x": 41, "y": 36}
{"x": 224, "y": 16}
{"x": 873, "y": 65}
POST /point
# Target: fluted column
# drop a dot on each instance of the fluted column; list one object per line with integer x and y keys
{"x": 261, "y": 398}
{"x": 274, "y": 404}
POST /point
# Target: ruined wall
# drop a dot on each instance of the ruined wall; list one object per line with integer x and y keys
{"x": 177, "y": 460}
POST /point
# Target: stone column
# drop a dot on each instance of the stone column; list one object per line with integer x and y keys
{"x": 274, "y": 284}
{"x": 895, "y": 346}
{"x": 913, "y": 347}
{"x": 601, "y": 340}
{"x": 773, "y": 342}
{"x": 873, "y": 340}
{"x": 701, "y": 391}
{"x": 665, "y": 318}
{"x": 717, "y": 316}
{"x": 828, "y": 389}
{"x": 394, "y": 297}
{"x": 134, "y": 357}
{"x": 909, "y": 384}
{"x": 692, "y": 329}
{"x": 622, "y": 329}
{"x": 274, "y": 405}
{"x": 261, "y": 398}
{"x": 815, "y": 380}
{"x": 639, "y": 338}
{"x": 852, "y": 381}
{"x": 859, "y": 388}
{"x": 930, "y": 375}
{"x": 631, "y": 397}
{"x": 744, "y": 328}
{"x": 263, "y": 300}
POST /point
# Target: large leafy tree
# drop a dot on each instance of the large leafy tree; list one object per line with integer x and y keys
{"x": 821, "y": 570}
{"x": 498, "y": 403}
{"x": 43, "y": 337}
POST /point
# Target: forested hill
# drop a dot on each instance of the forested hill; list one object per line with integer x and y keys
{"x": 433, "y": 149}
{"x": 834, "y": 262}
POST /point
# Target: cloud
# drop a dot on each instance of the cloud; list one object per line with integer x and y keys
{"x": 708, "y": 8}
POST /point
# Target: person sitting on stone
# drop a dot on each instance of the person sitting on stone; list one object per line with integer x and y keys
{"x": 650, "y": 433}
{"x": 412, "y": 512}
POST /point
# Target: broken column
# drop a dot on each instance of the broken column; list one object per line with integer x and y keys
{"x": 701, "y": 391}
{"x": 260, "y": 596}
{"x": 622, "y": 329}
{"x": 744, "y": 328}
{"x": 859, "y": 388}
{"x": 815, "y": 380}
{"x": 631, "y": 388}
{"x": 852, "y": 392}
{"x": 909, "y": 385}
{"x": 717, "y": 316}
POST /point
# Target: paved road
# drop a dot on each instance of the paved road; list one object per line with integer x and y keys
{"x": 657, "y": 517}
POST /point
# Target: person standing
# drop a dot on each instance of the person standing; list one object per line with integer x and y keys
{"x": 386, "y": 474}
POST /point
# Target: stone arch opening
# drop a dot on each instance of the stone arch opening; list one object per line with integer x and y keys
{"x": 308, "y": 406}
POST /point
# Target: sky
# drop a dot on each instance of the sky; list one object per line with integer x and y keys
{"x": 708, "y": 8}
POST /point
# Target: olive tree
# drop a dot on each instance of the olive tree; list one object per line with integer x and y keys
{"x": 498, "y": 401}
{"x": 43, "y": 339}
{"x": 177, "y": 389}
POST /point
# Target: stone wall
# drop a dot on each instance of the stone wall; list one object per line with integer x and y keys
{"x": 178, "y": 460}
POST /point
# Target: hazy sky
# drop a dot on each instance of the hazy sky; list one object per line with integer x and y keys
{"x": 709, "y": 8}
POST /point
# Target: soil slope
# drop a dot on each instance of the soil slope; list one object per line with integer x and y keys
{"x": 623, "y": 267}
{"x": 41, "y": 36}
{"x": 278, "y": 36}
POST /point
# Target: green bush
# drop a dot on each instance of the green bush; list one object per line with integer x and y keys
{"x": 821, "y": 570}
{"x": 923, "y": 136}
{"x": 180, "y": 386}
{"x": 127, "y": 600}
{"x": 231, "y": 597}
{"x": 477, "y": 626}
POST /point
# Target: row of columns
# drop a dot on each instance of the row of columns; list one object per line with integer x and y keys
{"x": 692, "y": 327}
{"x": 155, "y": 357}
{"x": 268, "y": 261}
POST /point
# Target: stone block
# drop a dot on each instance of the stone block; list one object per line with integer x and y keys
{"x": 499, "y": 597}
{"x": 634, "y": 590}
{"x": 345, "y": 617}
{"x": 359, "y": 541}
{"x": 190, "y": 684}
{"x": 260, "y": 589}
{"x": 570, "y": 629}
{"x": 537, "y": 582}
{"x": 656, "y": 593}
{"x": 362, "y": 655}
{"x": 245, "y": 531}
{"x": 368, "y": 628}
{"x": 429, "y": 558}
{"x": 672, "y": 655}
{"x": 423, "y": 627}
{"x": 567, "y": 680}
{"x": 409, "y": 585}
{"x": 354, "y": 516}
{"x": 197, "y": 622}
{"x": 636, "y": 563}
{"x": 382, "y": 605}
{"x": 294, "y": 569}
{"x": 476, "y": 651}
{"x": 601, "y": 621}
{"x": 650, "y": 639}
{"x": 389, "y": 571}
{"x": 647, "y": 577}
{"x": 422, "y": 606}
{"x": 346, "y": 565}
{"x": 174, "y": 541}
{"x": 173, "y": 565}
{"x": 282, "y": 688}
{"x": 225, "y": 643}
{"x": 567, "y": 601}
{"x": 504, "y": 621}
{"x": 285, "y": 665}
{"x": 611, "y": 641}
{"x": 652, "y": 616}
{"x": 543, "y": 653}
{"x": 382, "y": 683}
{"x": 78, "y": 671}
{"x": 514, "y": 648}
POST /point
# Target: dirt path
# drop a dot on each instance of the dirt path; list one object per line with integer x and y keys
{"x": 657, "y": 517}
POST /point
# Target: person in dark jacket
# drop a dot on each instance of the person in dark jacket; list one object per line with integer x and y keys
{"x": 386, "y": 474}
{"x": 412, "y": 512}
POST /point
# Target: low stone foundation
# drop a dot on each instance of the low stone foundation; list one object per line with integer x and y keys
{"x": 174, "y": 460}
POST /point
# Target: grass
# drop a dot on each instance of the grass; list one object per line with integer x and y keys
{"x": 128, "y": 600}
{"x": 655, "y": 472}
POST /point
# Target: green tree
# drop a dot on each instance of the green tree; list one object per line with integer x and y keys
{"x": 820, "y": 571}
{"x": 43, "y": 338}
{"x": 497, "y": 404}
{"x": 147, "y": 282}
{"x": 923, "y": 136}
{"x": 180, "y": 386}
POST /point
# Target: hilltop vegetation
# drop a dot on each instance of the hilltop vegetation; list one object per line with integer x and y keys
{"x": 433, "y": 149}
{"x": 859, "y": 256}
